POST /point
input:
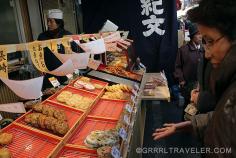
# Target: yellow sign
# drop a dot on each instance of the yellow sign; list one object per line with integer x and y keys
{"x": 37, "y": 56}
{"x": 3, "y": 62}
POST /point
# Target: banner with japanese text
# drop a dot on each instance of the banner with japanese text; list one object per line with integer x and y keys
{"x": 152, "y": 24}
{"x": 3, "y": 62}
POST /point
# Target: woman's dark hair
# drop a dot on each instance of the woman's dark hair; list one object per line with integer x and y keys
{"x": 219, "y": 14}
{"x": 60, "y": 23}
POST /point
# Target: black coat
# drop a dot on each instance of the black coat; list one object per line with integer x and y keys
{"x": 221, "y": 128}
{"x": 186, "y": 65}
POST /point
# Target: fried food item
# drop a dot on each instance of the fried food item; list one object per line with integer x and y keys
{"x": 119, "y": 88}
{"x": 60, "y": 115}
{"x": 38, "y": 107}
{"x": 74, "y": 100}
{"x": 47, "y": 110}
{"x": 5, "y": 153}
{"x": 63, "y": 96}
{"x": 104, "y": 152}
{"x": 50, "y": 111}
{"x": 98, "y": 86}
{"x": 5, "y": 138}
{"x": 85, "y": 79}
{"x": 47, "y": 122}
{"x": 61, "y": 127}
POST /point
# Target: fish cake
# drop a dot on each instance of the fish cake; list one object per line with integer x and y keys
{"x": 5, "y": 138}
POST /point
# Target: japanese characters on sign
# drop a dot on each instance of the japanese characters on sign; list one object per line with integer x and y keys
{"x": 37, "y": 56}
{"x": 152, "y": 10}
{"x": 3, "y": 62}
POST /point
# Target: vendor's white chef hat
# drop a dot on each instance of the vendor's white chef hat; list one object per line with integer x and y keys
{"x": 55, "y": 14}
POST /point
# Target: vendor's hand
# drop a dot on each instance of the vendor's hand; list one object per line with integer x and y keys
{"x": 167, "y": 130}
{"x": 194, "y": 96}
{"x": 182, "y": 83}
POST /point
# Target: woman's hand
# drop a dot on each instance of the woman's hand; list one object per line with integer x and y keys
{"x": 167, "y": 130}
{"x": 194, "y": 96}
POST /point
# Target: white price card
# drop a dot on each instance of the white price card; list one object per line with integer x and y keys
{"x": 128, "y": 108}
{"x": 69, "y": 76}
{"x": 126, "y": 119}
{"x": 115, "y": 152}
{"x": 136, "y": 87}
{"x": 54, "y": 82}
{"x": 76, "y": 71}
{"x": 123, "y": 134}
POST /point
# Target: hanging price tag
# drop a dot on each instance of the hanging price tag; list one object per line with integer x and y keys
{"x": 54, "y": 82}
{"x": 134, "y": 92}
{"x": 115, "y": 152}
{"x": 69, "y": 76}
{"x": 126, "y": 119}
{"x": 123, "y": 134}
{"x": 128, "y": 108}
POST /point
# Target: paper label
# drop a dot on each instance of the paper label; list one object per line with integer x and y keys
{"x": 93, "y": 64}
{"x": 128, "y": 108}
{"x": 123, "y": 134}
{"x": 115, "y": 152}
{"x": 54, "y": 81}
{"x": 69, "y": 76}
{"x": 126, "y": 119}
{"x": 76, "y": 71}
{"x": 3, "y": 62}
{"x": 13, "y": 107}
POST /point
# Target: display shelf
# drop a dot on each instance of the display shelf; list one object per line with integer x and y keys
{"x": 27, "y": 143}
{"x": 69, "y": 151}
{"x": 87, "y": 126}
{"x": 93, "y": 81}
{"x": 108, "y": 108}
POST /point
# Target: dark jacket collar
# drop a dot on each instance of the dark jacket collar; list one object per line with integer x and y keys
{"x": 192, "y": 46}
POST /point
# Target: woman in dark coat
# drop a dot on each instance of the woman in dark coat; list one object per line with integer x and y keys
{"x": 217, "y": 23}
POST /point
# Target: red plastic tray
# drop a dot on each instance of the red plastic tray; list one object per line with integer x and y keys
{"x": 89, "y": 125}
{"x": 72, "y": 115}
{"x": 72, "y": 152}
{"x": 74, "y": 91}
{"x": 93, "y": 81}
{"x": 108, "y": 108}
{"x": 27, "y": 143}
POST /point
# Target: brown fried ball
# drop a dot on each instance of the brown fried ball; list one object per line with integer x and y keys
{"x": 38, "y": 107}
{"x": 6, "y": 138}
{"x": 62, "y": 127}
{"x": 41, "y": 121}
{"x": 5, "y": 153}
{"x": 48, "y": 110}
{"x": 60, "y": 115}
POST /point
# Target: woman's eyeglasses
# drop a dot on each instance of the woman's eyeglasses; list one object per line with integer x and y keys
{"x": 209, "y": 42}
